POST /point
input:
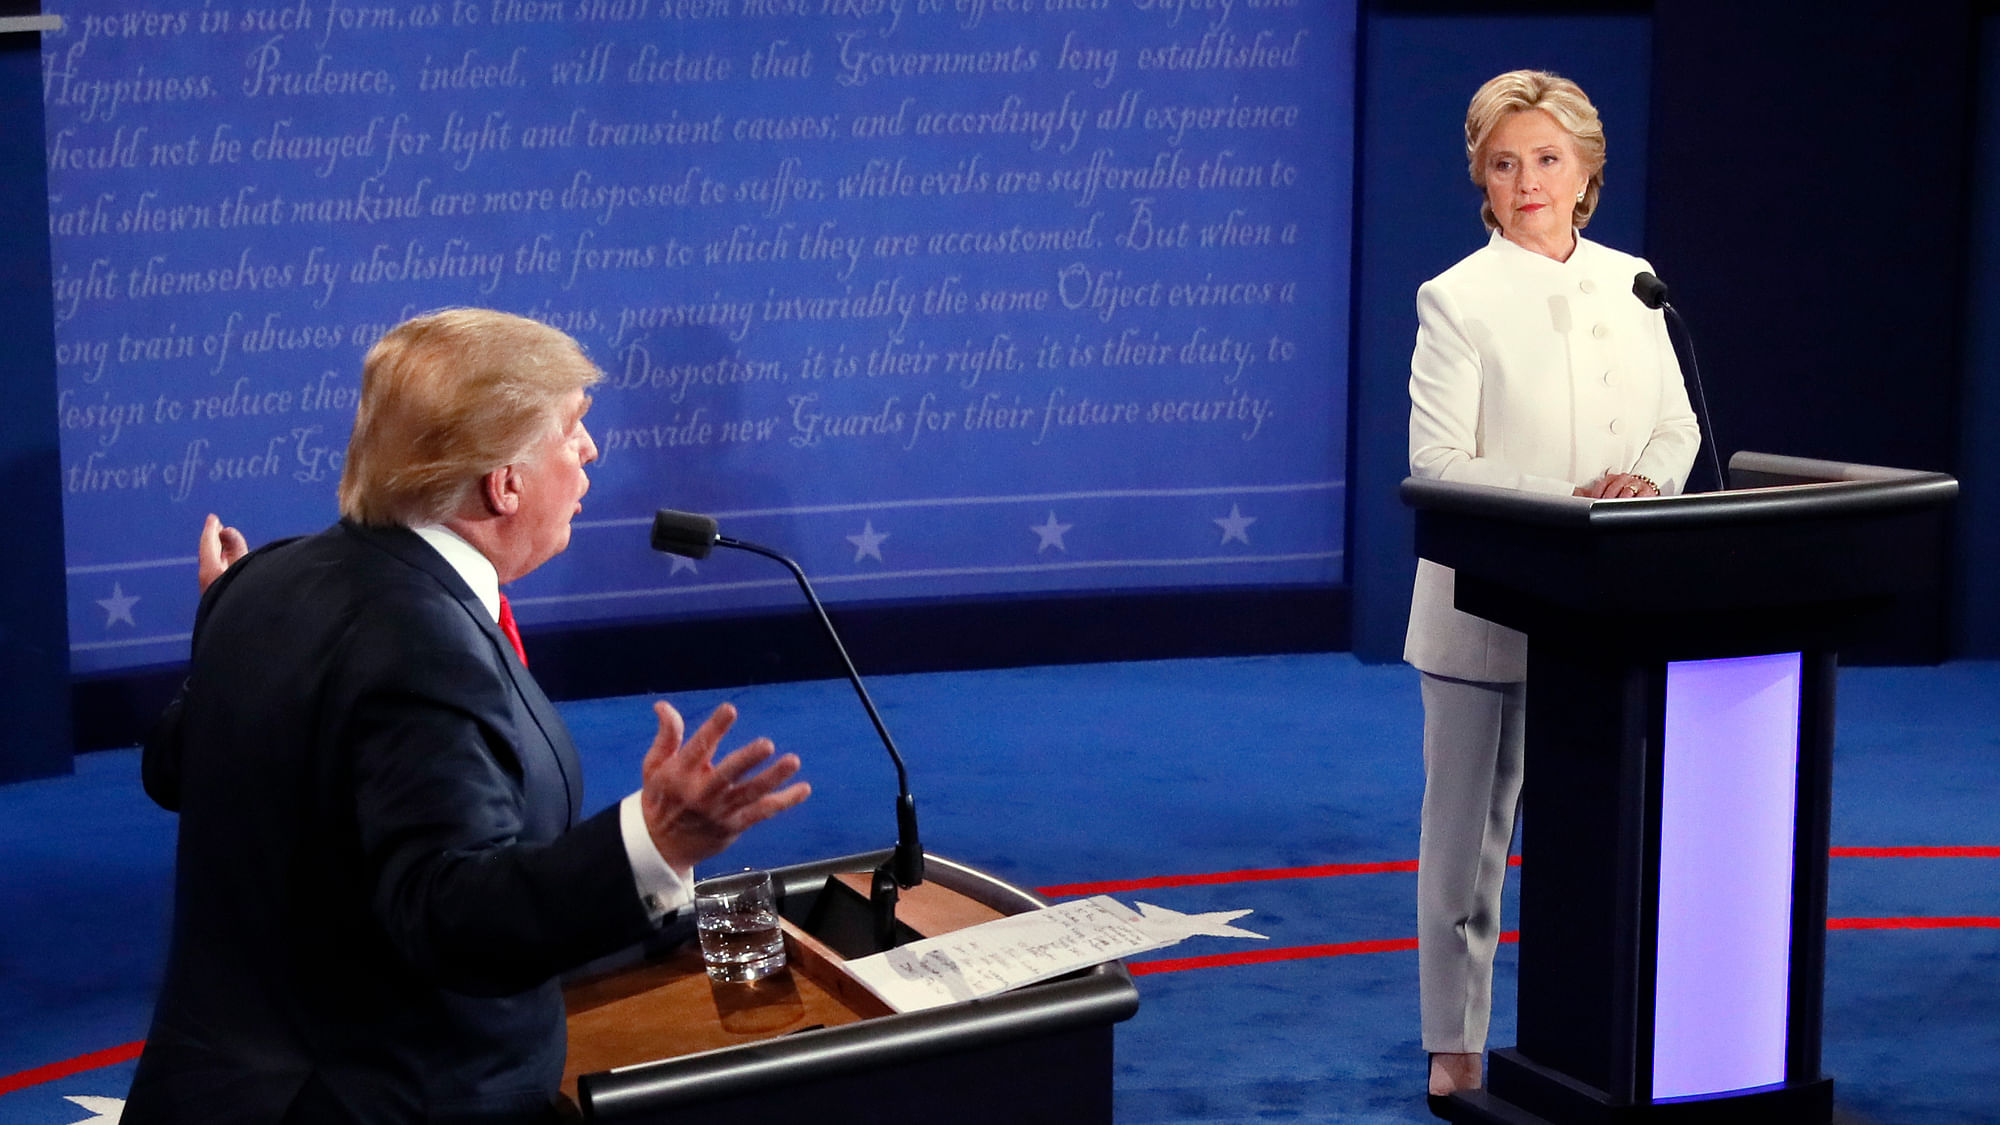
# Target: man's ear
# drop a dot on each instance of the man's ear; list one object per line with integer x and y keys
{"x": 500, "y": 490}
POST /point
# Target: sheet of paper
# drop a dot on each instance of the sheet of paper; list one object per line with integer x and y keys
{"x": 1021, "y": 949}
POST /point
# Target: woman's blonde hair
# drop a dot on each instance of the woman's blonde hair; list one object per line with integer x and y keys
{"x": 1563, "y": 100}
{"x": 447, "y": 398}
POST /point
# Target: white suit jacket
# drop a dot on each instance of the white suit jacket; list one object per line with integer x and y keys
{"x": 1541, "y": 375}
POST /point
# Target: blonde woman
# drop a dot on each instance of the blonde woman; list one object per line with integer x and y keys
{"x": 1535, "y": 368}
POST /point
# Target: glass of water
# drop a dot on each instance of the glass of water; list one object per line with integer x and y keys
{"x": 736, "y": 917}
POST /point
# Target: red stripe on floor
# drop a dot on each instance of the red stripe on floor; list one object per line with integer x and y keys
{"x": 1913, "y": 923}
{"x": 1399, "y": 945}
{"x": 1287, "y": 953}
{"x": 108, "y": 1057}
{"x": 111, "y": 1056}
{"x": 1268, "y": 956}
{"x": 1947, "y": 852}
{"x": 1333, "y": 870}
{"x": 1319, "y": 871}
{"x": 1253, "y": 875}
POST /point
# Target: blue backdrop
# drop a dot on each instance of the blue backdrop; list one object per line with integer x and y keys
{"x": 947, "y": 297}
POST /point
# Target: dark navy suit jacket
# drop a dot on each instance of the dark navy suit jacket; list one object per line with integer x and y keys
{"x": 381, "y": 864}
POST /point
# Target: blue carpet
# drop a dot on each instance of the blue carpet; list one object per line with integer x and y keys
{"x": 1051, "y": 776}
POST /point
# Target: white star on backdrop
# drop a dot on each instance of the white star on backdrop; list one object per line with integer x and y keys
{"x": 118, "y": 607}
{"x": 1051, "y": 533}
{"x": 868, "y": 544}
{"x": 1235, "y": 526}
{"x": 680, "y": 563}
{"x": 107, "y": 1110}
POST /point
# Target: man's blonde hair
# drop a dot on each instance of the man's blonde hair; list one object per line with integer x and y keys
{"x": 1563, "y": 100}
{"x": 447, "y": 398}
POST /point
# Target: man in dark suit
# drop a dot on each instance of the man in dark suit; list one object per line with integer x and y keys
{"x": 382, "y": 862}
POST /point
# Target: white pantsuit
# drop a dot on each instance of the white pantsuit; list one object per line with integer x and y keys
{"x": 1473, "y": 735}
{"x": 1534, "y": 374}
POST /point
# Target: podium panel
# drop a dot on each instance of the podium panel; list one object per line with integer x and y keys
{"x": 1728, "y": 808}
{"x": 1681, "y": 671}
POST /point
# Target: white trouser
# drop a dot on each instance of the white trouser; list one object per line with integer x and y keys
{"x": 1472, "y": 789}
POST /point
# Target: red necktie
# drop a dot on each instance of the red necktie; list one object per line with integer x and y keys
{"x": 512, "y": 630}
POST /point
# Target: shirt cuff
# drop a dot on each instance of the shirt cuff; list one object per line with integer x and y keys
{"x": 661, "y": 889}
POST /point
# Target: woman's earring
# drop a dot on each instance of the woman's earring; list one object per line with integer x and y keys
{"x": 1579, "y": 195}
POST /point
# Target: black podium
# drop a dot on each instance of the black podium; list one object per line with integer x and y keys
{"x": 655, "y": 1043}
{"x": 1681, "y": 662}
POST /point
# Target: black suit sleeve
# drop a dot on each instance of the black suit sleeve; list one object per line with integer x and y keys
{"x": 160, "y": 759}
{"x": 468, "y": 896}
{"x": 161, "y": 754}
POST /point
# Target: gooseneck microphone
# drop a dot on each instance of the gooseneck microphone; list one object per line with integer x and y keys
{"x": 1652, "y": 292}
{"x": 693, "y": 536}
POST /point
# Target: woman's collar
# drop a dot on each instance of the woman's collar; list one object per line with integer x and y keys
{"x": 1498, "y": 241}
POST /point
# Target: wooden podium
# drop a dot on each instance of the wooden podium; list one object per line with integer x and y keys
{"x": 1679, "y": 774}
{"x": 658, "y": 1042}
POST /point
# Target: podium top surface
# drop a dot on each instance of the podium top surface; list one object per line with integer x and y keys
{"x": 658, "y": 1037}
{"x": 1797, "y": 543}
{"x": 1768, "y": 488}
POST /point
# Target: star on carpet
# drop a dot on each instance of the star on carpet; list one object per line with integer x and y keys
{"x": 1162, "y": 922}
{"x": 1051, "y": 533}
{"x": 118, "y": 607}
{"x": 1235, "y": 526}
{"x": 680, "y": 563}
{"x": 868, "y": 544}
{"x": 107, "y": 1110}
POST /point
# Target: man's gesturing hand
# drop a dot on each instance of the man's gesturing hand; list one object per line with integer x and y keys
{"x": 695, "y": 806}
{"x": 216, "y": 550}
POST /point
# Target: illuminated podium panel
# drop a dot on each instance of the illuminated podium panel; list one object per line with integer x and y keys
{"x": 1681, "y": 661}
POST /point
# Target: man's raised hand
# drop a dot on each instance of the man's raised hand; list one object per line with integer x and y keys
{"x": 696, "y": 806}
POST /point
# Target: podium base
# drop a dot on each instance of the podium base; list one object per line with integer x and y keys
{"x": 1519, "y": 1092}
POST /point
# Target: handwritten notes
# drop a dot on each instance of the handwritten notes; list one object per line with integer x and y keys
{"x": 1018, "y": 950}
{"x": 936, "y": 264}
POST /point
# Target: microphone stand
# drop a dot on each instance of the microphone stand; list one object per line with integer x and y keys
{"x": 905, "y": 866}
{"x": 1700, "y": 398}
{"x": 1652, "y": 292}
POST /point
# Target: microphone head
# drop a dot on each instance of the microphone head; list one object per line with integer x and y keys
{"x": 683, "y": 533}
{"x": 1650, "y": 290}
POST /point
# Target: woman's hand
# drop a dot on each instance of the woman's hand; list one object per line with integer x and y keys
{"x": 1619, "y": 486}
